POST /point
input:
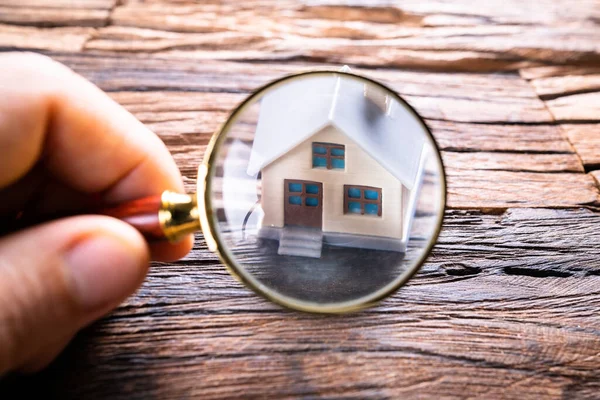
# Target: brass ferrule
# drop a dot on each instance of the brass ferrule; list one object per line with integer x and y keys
{"x": 178, "y": 215}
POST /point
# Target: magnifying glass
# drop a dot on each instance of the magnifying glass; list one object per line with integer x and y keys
{"x": 323, "y": 192}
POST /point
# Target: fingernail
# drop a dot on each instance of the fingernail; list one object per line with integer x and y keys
{"x": 105, "y": 270}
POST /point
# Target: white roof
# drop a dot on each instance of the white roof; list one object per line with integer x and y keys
{"x": 298, "y": 109}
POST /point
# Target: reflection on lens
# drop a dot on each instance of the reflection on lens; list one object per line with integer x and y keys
{"x": 327, "y": 190}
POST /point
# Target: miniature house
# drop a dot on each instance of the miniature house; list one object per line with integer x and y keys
{"x": 340, "y": 163}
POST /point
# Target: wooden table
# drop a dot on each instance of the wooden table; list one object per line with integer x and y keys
{"x": 508, "y": 304}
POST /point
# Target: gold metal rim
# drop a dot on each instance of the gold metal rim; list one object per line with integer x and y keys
{"x": 210, "y": 229}
{"x": 178, "y": 215}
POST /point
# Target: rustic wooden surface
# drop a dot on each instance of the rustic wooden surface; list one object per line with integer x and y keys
{"x": 508, "y": 304}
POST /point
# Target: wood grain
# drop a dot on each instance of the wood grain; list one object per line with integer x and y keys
{"x": 556, "y": 86}
{"x": 573, "y": 98}
{"x": 92, "y": 13}
{"x": 519, "y": 138}
{"x": 576, "y": 107}
{"x": 586, "y": 139}
{"x": 33, "y": 38}
{"x": 503, "y": 189}
{"x": 411, "y": 35}
{"x": 506, "y": 305}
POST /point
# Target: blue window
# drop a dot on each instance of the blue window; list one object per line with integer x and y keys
{"x": 372, "y": 209}
{"x": 338, "y": 163}
{"x": 371, "y": 194}
{"x": 364, "y": 200}
{"x": 328, "y": 155}
{"x": 295, "y": 187}
{"x": 302, "y": 193}
{"x": 354, "y": 193}
{"x": 296, "y": 200}
{"x": 336, "y": 151}
{"x": 312, "y": 189}
{"x": 354, "y": 207}
{"x": 319, "y": 149}
{"x": 319, "y": 162}
{"x": 311, "y": 201}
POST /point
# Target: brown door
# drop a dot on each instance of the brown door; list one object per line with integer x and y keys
{"x": 303, "y": 203}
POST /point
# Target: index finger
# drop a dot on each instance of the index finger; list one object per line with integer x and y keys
{"x": 86, "y": 140}
{"x": 89, "y": 141}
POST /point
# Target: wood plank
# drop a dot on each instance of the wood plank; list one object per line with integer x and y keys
{"x": 411, "y": 35}
{"x": 511, "y": 12}
{"x": 467, "y": 137}
{"x": 502, "y": 189}
{"x": 506, "y": 305}
{"x": 81, "y": 13}
{"x": 557, "y": 71}
{"x": 471, "y": 110}
{"x": 32, "y": 38}
{"x": 596, "y": 176}
{"x": 552, "y": 87}
{"x": 573, "y": 97}
{"x": 245, "y": 46}
{"x": 577, "y": 107}
{"x": 519, "y": 162}
{"x": 457, "y": 97}
{"x": 295, "y": 375}
{"x": 586, "y": 141}
{"x": 183, "y": 74}
{"x": 64, "y": 4}
{"x": 408, "y": 13}
{"x": 466, "y": 49}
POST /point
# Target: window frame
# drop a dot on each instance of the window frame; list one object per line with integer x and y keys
{"x": 328, "y": 156}
{"x": 362, "y": 200}
{"x": 302, "y": 194}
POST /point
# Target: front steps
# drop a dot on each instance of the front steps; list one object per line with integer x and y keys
{"x": 299, "y": 241}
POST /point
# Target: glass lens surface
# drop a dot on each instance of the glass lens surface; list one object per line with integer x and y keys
{"x": 326, "y": 191}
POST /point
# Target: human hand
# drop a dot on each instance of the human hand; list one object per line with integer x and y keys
{"x": 64, "y": 143}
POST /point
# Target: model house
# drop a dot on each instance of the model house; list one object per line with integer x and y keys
{"x": 341, "y": 163}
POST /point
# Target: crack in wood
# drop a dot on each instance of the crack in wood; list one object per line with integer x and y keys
{"x": 458, "y": 269}
{"x": 536, "y": 273}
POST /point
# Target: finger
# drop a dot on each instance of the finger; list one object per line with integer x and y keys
{"x": 88, "y": 141}
{"x": 60, "y": 276}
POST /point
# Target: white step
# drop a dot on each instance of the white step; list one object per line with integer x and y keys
{"x": 299, "y": 251}
{"x": 303, "y": 242}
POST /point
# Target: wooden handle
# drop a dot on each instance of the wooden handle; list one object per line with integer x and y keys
{"x": 142, "y": 214}
{"x": 167, "y": 216}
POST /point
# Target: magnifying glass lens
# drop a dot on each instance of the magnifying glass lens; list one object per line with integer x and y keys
{"x": 326, "y": 192}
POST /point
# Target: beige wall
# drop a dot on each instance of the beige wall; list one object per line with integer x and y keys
{"x": 361, "y": 170}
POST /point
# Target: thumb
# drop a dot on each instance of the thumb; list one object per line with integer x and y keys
{"x": 60, "y": 276}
